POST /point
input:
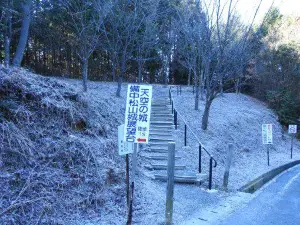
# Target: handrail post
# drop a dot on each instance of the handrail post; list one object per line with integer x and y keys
{"x": 177, "y": 90}
{"x": 170, "y": 97}
{"x": 210, "y": 173}
{"x": 172, "y": 107}
{"x": 180, "y": 89}
{"x": 200, "y": 156}
{"x": 175, "y": 114}
{"x": 185, "y": 137}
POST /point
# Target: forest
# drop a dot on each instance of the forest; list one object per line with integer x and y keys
{"x": 204, "y": 44}
{"x": 57, "y": 140}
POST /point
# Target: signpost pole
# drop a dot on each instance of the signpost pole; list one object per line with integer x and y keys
{"x": 293, "y": 132}
{"x": 130, "y": 211}
{"x": 135, "y": 131}
{"x": 268, "y": 152}
{"x": 292, "y": 143}
{"x": 127, "y": 180}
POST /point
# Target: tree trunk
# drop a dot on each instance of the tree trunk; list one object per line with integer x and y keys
{"x": 221, "y": 86}
{"x": 206, "y": 113}
{"x": 140, "y": 66}
{"x": 123, "y": 69}
{"x": 84, "y": 74}
{"x": 189, "y": 77}
{"x": 166, "y": 70}
{"x": 68, "y": 60}
{"x": 24, "y": 34}
{"x": 201, "y": 83}
{"x": 8, "y": 34}
{"x": 197, "y": 91}
{"x": 237, "y": 86}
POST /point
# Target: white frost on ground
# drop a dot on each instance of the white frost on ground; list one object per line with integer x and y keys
{"x": 233, "y": 119}
{"x": 236, "y": 119}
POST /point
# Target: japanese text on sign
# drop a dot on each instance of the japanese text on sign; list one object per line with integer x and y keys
{"x": 137, "y": 115}
{"x": 267, "y": 135}
{"x": 124, "y": 147}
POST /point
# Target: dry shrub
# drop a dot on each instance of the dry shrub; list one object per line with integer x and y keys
{"x": 47, "y": 171}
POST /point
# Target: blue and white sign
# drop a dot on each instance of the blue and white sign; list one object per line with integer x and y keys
{"x": 137, "y": 115}
{"x": 292, "y": 129}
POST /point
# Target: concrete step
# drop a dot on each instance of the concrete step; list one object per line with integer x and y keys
{"x": 161, "y": 109}
{"x": 161, "y": 134}
{"x": 161, "y": 131}
{"x": 162, "y": 116}
{"x": 160, "y": 144}
{"x": 162, "y": 156}
{"x": 158, "y": 104}
{"x": 163, "y": 123}
{"x": 164, "y": 126}
{"x": 168, "y": 114}
{"x": 162, "y": 166}
{"x": 158, "y": 139}
{"x": 167, "y": 119}
{"x": 183, "y": 178}
{"x": 157, "y": 150}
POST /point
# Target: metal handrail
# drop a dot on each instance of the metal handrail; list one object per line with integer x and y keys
{"x": 199, "y": 142}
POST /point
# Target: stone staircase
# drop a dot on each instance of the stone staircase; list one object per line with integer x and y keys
{"x": 161, "y": 127}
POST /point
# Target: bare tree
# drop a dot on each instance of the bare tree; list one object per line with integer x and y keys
{"x": 121, "y": 32}
{"x": 87, "y": 17}
{"x": 190, "y": 28}
{"x": 218, "y": 50}
{"x": 146, "y": 37}
{"x": 8, "y": 32}
{"x": 24, "y": 33}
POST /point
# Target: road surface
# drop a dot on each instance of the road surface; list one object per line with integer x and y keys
{"x": 276, "y": 204}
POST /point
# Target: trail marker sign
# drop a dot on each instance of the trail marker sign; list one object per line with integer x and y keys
{"x": 267, "y": 134}
{"x": 123, "y": 146}
{"x": 137, "y": 114}
{"x": 292, "y": 129}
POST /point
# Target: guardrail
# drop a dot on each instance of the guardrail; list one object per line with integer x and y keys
{"x": 201, "y": 147}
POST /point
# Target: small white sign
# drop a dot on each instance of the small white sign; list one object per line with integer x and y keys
{"x": 137, "y": 115}
{"x": 292, "y": 129}
{"x": 267, "y": 134}
{"x": 124, "y": 147}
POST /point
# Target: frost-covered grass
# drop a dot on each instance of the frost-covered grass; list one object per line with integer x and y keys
{"x": 237, "y": 119}
{"x": 59, "y": 161}
{"x": 58, "y": 158}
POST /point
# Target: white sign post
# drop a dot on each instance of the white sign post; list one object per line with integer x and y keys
{"x": 137, "y": 115}
{"x": 123, "y": 146}
{"x": 137, "y": 122}
{"x": 267, "y": 137}
{"x": 293, "y": 132}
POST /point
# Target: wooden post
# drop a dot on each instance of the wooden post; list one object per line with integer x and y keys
{"x": 170, "y": 183}
{"x": 227, "y": 166}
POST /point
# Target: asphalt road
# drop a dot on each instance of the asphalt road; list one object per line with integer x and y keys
{"x": 276, "y": 204}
